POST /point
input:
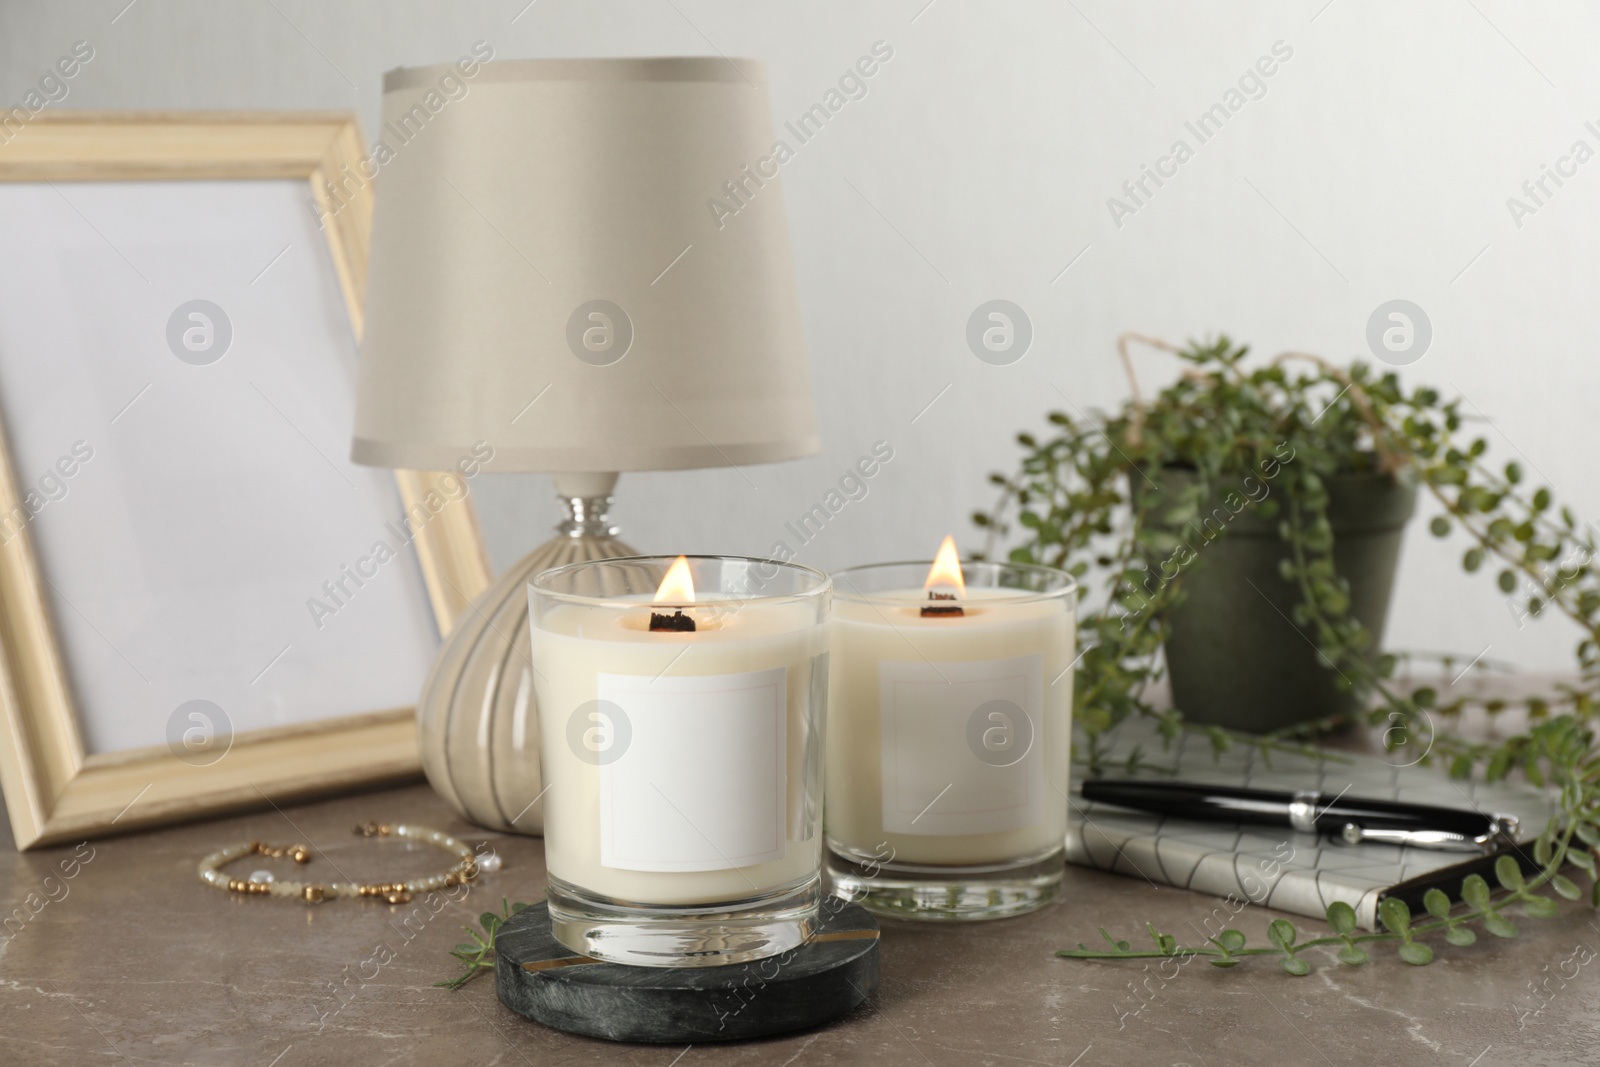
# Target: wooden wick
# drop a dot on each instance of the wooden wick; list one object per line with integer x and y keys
{"x": 942, "y": 610}
{"x": 677, "y": 623}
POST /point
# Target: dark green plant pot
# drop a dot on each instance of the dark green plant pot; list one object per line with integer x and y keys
{"x": 1234, "y": 655}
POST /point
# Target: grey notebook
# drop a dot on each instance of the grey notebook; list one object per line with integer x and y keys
{"x": 1283, "y": 869}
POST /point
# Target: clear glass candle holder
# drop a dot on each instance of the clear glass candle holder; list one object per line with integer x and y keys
{"x": 949, "y": 740}
{"x": 681, "y": 747}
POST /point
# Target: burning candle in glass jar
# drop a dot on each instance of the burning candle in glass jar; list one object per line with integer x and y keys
{"x": 680, "y": 743}
{"x": 949, "y": 735}
{"x": 945, "y": 574}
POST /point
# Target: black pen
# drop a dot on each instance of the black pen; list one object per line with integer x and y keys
{"x": 1349, "y": 819}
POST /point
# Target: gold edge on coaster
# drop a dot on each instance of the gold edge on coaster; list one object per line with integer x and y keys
{"x": 565, "y": 961}
{"x": 845, "y": 935}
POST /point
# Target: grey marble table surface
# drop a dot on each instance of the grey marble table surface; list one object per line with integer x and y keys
{"x": 133, "y": 961}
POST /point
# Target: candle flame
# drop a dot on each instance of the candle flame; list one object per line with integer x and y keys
{"x": 677, "y": 586}
{"x": 946, "y": 569}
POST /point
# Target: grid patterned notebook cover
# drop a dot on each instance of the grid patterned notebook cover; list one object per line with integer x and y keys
{"x": 1280, "y": 868}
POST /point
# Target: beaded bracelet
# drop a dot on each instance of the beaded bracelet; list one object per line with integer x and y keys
{"x": 465, "y": 869}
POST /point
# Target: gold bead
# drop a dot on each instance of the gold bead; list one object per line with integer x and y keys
{"x": 463, "y": 870}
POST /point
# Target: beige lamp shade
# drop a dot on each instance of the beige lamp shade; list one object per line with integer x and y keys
{"x": 561, "y": 268}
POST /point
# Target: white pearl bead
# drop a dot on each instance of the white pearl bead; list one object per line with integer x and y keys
{"x": 260, "y": 876}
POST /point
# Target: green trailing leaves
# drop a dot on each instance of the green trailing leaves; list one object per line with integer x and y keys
{"x": 1394, "y": 914}
{"x": 1499, "y": 925}
{"x": 1536, "y": 907}
{"x": 1084, "y": 499}
{"x": 1508, "y": 873}
{"x": 1566, "y": 754}
{"x": 1267, "y": 437}
{"x": 1165, "y": 942}
{"x": 1416, "y": 953}
{"x": 1120, "y": 946}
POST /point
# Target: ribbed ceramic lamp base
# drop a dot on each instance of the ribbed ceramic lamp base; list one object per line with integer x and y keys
{"x": 477, "y": 719}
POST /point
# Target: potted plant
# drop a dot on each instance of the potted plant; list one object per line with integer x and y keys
{"x": 1246, "y": 519}
{"x": 1233, "y": 479}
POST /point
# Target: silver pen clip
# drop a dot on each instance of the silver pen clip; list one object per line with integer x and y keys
{"x": 1502, "y": 830}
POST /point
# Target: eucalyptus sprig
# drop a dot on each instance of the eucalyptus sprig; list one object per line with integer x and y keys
{"x": 1563, "y": 750}
{"x": 477, "y": 955}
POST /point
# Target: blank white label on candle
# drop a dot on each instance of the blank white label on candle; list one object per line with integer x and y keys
{"x": 950, "y": 734}
{"x": 702, "y": 785}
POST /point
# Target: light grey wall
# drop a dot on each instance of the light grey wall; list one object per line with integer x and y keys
{"x": 1377, "y": 165}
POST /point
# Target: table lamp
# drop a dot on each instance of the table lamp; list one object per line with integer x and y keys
{"x": 582, "y": 265}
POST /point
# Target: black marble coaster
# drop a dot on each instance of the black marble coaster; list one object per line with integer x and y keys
{"x": 540, "y": 978}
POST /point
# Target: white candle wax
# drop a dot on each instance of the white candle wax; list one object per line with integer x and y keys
{"x": 714, "y": 791}
{"x": 926, "y": 719}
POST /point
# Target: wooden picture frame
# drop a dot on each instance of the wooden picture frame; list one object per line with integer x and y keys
{"x": 56, "y": 790}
